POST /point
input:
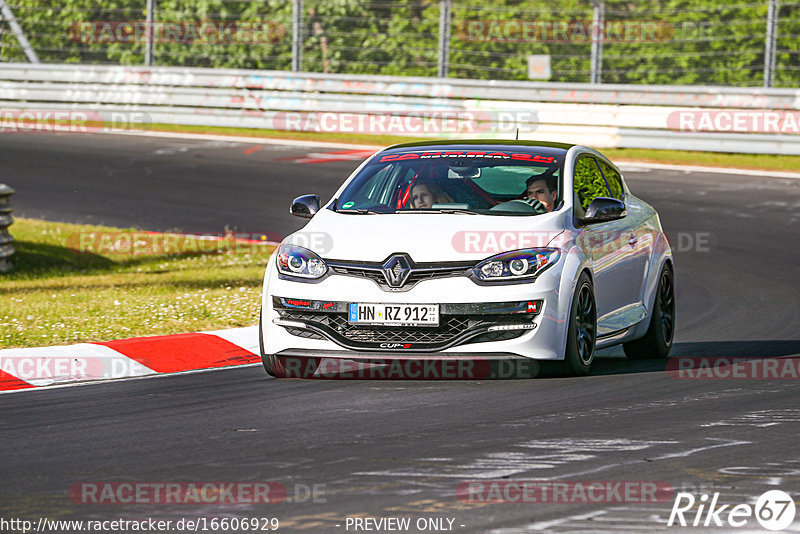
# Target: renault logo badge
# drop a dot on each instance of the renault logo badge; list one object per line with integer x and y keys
{"x": 396, "y": 270}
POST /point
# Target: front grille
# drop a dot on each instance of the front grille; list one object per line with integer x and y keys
{"x": 373, "y": 275}
{"x": 420, "y": 275}
{"x": 450, "y": 329}
{"x": 304, "y": 333}
{"x": 418, "y": 272}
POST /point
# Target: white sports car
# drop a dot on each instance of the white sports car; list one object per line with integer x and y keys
{"x": 458, "y": 250}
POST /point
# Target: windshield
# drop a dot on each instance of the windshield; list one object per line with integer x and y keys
{"x": 523, "y": 181}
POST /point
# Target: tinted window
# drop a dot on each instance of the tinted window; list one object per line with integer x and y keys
{"x": 613, "y": 180}
{"x": 589, "y": 182}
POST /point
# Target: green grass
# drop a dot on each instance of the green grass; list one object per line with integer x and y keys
{"x": 713, "y": 159}
{"x": 767, "y": 162}
{"x": 57, "y": 294}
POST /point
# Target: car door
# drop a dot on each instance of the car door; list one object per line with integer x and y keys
{"x": 606, "y": 243}
{"x": 637, "y": 236}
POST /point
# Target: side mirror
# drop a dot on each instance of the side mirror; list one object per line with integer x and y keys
{"x": 604, "y": 209}
{"x": 305, "y": 206}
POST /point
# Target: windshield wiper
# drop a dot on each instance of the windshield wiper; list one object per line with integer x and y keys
{"x": 361, "y": 211}
{"x": 450, "y": 211}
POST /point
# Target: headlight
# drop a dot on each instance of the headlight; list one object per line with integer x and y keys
{"x": 516, "y": 265}
{"x": 298, "y": 261}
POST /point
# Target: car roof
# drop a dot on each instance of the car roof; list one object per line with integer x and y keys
{"x": 483, "y": 142}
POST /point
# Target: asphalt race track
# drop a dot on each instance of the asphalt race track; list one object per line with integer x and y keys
{"x": 400, "y": 449}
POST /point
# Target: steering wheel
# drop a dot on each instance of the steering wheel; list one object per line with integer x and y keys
{"x": 519, "y": 205}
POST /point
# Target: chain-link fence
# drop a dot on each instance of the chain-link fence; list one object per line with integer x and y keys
{"x": 692, "y": 42}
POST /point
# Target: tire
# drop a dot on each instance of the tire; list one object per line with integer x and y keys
{"x": 267, "y": 359}
{"x": 657, "y": 342}
{"x": 582, "y": 333}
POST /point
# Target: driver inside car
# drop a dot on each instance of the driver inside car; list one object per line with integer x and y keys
{"x": 541, "y": 192}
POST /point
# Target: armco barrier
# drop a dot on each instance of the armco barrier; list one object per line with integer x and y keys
{"x": 6, "y": 220}
{"x": 603, "y": 116}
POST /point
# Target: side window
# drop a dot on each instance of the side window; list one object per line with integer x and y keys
{"x": 613, "y": 180}
{"x": 589, "y": 183}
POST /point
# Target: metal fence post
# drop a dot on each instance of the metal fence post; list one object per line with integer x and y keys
{"x": 150, "y": 17}
{"x": 297, "y": 35}
{"x": 6, "y": 220}
{"x": 770, "y": 43}
{"x": 444, "y": 39}
{"x": 8, "y": 15}
{"x": 598, "y": 33}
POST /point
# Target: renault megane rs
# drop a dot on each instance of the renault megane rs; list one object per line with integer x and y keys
{"x": 472, "y": 249}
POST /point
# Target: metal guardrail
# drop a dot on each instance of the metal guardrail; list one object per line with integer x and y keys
{"x": 6, "y": 220}
{"x": 603, "y": 116}
{"x": 658, "y": 95}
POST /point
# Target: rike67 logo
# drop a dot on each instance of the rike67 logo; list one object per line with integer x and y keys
{"x": 774, "y": 510}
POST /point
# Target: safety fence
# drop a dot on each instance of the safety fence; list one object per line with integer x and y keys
{"x": 656, "y": 42}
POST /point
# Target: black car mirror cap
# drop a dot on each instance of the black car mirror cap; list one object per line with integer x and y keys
{"x": 305, "y": 206}
{"x": 604, "y": 209}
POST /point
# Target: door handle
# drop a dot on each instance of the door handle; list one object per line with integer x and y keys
{"x": 633, "y": 239}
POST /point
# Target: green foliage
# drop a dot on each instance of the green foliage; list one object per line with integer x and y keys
{"x": 704, "y": 42}
{"x": 589, "y": 183}
{"x": 612, "y": 180}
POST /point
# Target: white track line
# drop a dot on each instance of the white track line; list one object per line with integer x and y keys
{"x": 632, "y": 165}
{"x": 248, "y": 140}
{"x": 327, "y": 144}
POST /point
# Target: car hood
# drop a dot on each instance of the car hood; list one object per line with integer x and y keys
{"x": 426, "y": 237}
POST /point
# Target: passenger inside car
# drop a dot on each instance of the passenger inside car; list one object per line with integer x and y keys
{"x": 425, "y": 193}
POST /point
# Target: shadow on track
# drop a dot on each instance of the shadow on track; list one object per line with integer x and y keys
{"x": 612, "y": 361}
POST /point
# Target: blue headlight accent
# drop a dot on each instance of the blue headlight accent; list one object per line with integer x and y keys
{"x": 516, "y": 265}
{"x": 301, "y": 262}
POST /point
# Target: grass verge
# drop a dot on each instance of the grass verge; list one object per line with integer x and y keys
{"x": 765, "y": 162}
{"x": 64, "y": 290}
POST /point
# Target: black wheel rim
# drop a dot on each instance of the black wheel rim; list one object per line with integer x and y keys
{"x": 666, "y": 295}
{"x": 585, "y": 328}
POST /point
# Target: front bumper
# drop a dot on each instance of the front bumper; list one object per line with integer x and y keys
{"x": 473, "y": 318}
{"x": 459, "y": 324}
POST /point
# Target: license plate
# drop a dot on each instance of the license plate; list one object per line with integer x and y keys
{"x": 394, "y": 314}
